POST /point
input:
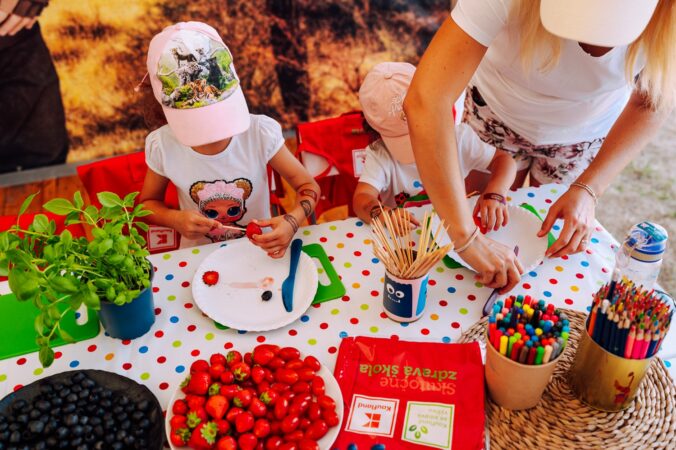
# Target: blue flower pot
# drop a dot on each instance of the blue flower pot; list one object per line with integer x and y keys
{"x": 132, "y": 319}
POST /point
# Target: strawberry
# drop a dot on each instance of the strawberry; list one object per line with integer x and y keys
{"x": 210, "y": 277}
{"x": 257, "y": 407}
{"x": 252, "y": 230}
{"x": 194, "y": 401}
{"x": 268, "y": 397}
{"x": 242, "y": 398}
{"x": 261, "y": 428}
{"x": 216, "y": 370}
{"x": 204, "y": 436}
{"x": 180, "y": 407}
{"x": 233, "y": 357}
{"x": 177, "y": 422}
{"x": 200, "y": 413}
{"x": 214, "y": 389}
{"x": 223, "y": 427}
{"x": 184, "y": 384}
{"x": 241, "y": 371}
{"x": 232, "y": 414}
{"x": 179, "y": 437}
{"x": 230, "y": 390}
{"x": 262, "y": 355}
{"x": 193, "y": 420}
{"x": 244, "y": 422}
{"x": 247, "y": 441}
{"x": 227, "y": 377}
{"x": 216, "y": 406}
{"x": 226, "y": 443}
{"x": 217, "y": 358}
{"x": 199, "y": 383}
{"x": 257, "y": 374}
{"x": 198, "y": 366}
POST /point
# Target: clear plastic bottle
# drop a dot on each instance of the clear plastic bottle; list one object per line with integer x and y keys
{"x": 639, "y": 258}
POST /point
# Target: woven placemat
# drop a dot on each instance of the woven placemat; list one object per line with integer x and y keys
{"x": 561, "y": 421}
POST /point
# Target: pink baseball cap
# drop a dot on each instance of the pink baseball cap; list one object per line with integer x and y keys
{"x": 382, "y": 96}
{"x": 194, "y": 79}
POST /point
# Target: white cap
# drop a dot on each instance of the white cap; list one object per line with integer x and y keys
{"x": 607, "y": 23}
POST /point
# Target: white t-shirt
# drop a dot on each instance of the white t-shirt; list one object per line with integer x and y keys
{"x": 577, "y": 100}
{"x": 400, "y": 183}
{"x": 231, "y": 186}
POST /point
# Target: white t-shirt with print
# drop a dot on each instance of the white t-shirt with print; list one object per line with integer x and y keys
{"x": 231, "y": 186}
{"x": 578, "y": 100}
{"x": 393, "y": 179}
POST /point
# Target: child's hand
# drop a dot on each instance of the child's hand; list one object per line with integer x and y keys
{"x": 193, "y": 225}
{"x": 276, "y": 241}
{"x": 491, "y": 211}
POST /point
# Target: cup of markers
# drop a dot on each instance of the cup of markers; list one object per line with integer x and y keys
{"x": 624, "y": 331}
{"x": 525, "y": 338}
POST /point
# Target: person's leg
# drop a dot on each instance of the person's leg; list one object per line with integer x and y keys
{"x": 32, "y": 118}
{"x": 562, "y": 164}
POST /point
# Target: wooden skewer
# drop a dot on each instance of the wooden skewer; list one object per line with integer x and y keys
{"x": 228, "y": 227}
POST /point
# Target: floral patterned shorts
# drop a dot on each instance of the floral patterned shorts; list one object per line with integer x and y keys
{"x": 547, "y": 163}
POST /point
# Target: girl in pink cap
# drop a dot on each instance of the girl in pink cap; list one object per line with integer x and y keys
{"x": 213, "y": 149}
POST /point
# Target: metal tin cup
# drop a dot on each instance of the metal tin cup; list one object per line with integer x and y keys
{"x": 605, "y": 381}
{"x": 513, "y": 385}
{"x": 404, "y": 300}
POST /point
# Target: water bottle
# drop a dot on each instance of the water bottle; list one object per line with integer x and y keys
{"x": 639, "y": 258}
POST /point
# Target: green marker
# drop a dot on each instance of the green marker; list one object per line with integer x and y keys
{"x": 539, "y": 355}
{"x": 510, "y": 343}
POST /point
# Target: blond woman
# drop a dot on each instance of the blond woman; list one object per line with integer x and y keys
{"x": 572, "y": 89}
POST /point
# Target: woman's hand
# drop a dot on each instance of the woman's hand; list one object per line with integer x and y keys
{"x": 490, "y": 214}
{"x": 496, "y": 264}
{"x": 576, "y": 207}
{"x": 276, "y": 241}
{"x": 192, "y": 224}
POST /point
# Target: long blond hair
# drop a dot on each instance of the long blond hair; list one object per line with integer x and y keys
{"x": 657, "y": 81}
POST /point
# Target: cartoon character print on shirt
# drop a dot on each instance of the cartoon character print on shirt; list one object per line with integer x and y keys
{"x": 224, "y": 201}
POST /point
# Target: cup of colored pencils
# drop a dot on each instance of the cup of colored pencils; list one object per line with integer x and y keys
{"x": 406, "y": 266}
{"x": 624, "y": 331}
{"x": 525, "y": 338}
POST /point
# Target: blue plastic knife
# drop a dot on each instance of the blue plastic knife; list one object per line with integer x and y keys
{"x": 288, "y": 284}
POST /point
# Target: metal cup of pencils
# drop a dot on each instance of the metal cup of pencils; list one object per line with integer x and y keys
{"x": 406, "y": 269}
{"x": 624, "y": 332}
{"x": 525, "y": 338}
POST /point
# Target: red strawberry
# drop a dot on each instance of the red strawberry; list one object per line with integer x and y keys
{"x": 216, "y": 370}
{"x": 242, "y": 398}
{"x": 216, "y": 406}
{"x": 200, "y": 413}
{"x": 244, "y": 422}
{"x": 177, "y": 422}
{"x": 199, "y": 383}
{"x": 227, "y": 377}
{"x": 217, "y": 358}
{"x": 232, "y": 414}
{"x": 180, "y": 407}
{"x": 233, "y": 357}
{"x": 193, "y": 420}
{"x": 226, "y": 443}
{"x": 241, "y": 371}
{"x": 200, "y": 365}
{"x": 261, "y": 428}
{"x": 223, "y": 426}
{"x": 262, "y": 355}
{"x": 214, "y": 389}
{"x": 184, "y": 384}
{"x": 230, "y": 390}
{"x": 179, "y": 437}
{"x": 257, "y": 374}
{"x": 210, "y": 277}
{"x": 195, "y": 401}
{"x": 252, "y": 230}
{"x": 257, "y": 407}
{"x": 204, "y": 436}
{"x": 268, "y": 397}
{"x": 247, "y": 441}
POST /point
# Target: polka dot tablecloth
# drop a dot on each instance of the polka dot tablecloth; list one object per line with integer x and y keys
{"x": 161, "y": 358}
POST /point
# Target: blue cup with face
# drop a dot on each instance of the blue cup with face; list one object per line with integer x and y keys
{"x": 404, "y": 300}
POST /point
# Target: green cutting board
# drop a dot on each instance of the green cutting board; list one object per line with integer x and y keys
{"x": 17, "y": 332}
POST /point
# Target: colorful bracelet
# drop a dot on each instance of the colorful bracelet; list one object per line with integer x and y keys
{"x": 466, "y": 245}
{"x": 494, "y": 196}
{"x": 587, "y": 188}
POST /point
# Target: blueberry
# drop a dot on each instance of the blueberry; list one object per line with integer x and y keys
{"x": 98, "y": 431}
{"x": 77, "y": 430}
{"x": 78, "y": 377}
{"x": 51, "y": 442}
{"x": 34, "y": 414}
{"x": 75, "y": 442}
{"x": 71, "y": 419}
{"x": 36, "y": 426}
{"x": 14, "y": 426}
{"x": 15, "y": 437}
{"x": 122, "y": 417}
{"x": 144, "y": 424}
{"x": 117, "y": 410}
{"x": 71, "y": 398}
{"x": 267, "y": 295}
{"x": 46, "y": 388}
{"x": 56, "y": 401}
{"x": 65, "y": 392}
{"x": 129, "y": 441}
{"x": 84, "y": 393}
{"x": 117, "y": 446}
{"x": 77, "y": 388}
{"x": 88, "y": 383}
{"x": 42, "y": 445}
{"x": 22, "y": 418}
{"x": 18, "y": 405}
{"x": 125, "y": 425}
{"x": 68, "y": 408}
{"x": 106, "y": 403}
{"x": 100, "y": 445}
{"x": 120, "y": 435}
{"x": 4, "y": 435}
{"x": 143, "y": 405}
{"x": 95, "y": 421}
{"x": 137, "y": 415}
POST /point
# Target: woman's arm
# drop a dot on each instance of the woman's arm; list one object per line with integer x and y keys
{"x": 633, "y": 129}
{"x": 444, "y": 71}
{"x": 307, "y": 195}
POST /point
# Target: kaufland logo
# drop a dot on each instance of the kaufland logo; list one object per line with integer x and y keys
{"x": 372, "y": 415}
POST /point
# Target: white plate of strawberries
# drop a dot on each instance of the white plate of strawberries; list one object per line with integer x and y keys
{"x": 271, "y": 398}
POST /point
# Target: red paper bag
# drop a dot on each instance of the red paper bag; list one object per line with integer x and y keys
{"x": 410, "y": 395}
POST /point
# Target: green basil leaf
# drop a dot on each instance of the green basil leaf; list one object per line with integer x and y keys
{"x": 77, "y": 200}
{"x": 143, "y": 226}
{"x": 63, "y": 285}
{"x": 39, "y": 325}
{"x": 129, "y": 198}
{"x": 41, "y": 223}
{"x": 66, "y": 238}
{"x": 59, "y": 206}
{"x": 109, "y": 199}
{"x": 46, "y": 356}
{"x": 65, "y": 336}
{"x": 143, "y": 213}
{"x": 26, "y": 203}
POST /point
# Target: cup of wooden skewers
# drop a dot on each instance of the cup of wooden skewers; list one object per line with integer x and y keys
{"x": 407, "y": 262}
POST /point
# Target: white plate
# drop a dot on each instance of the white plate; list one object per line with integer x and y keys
{"x": 241, "y": 263}
{"x": 332, "y": 390}
{"x": 521, "y": 231}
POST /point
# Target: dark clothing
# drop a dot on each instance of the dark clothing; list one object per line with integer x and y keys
{"x": 32, "y": 120}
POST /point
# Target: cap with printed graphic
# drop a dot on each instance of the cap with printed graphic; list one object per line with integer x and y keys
{"x": 382, "y": 96}
{"x": 608, "y": 23}
{"x": 193, "y": 77}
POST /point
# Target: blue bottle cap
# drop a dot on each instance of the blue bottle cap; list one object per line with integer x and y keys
{"x": 646, "y": 242}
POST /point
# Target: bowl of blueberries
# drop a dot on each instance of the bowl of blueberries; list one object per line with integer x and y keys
{"x": 81, "y": 410}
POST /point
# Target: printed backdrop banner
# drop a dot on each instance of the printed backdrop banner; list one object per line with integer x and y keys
{"x": 298, "y": 60}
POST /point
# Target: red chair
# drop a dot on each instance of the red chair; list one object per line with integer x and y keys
{"x": 125, "y": 174}
{"x": 6, "y": 222}
{"x": 334, "y": 150}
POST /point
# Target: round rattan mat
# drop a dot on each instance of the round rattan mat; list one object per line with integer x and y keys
{"x": 561, "y": 421}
